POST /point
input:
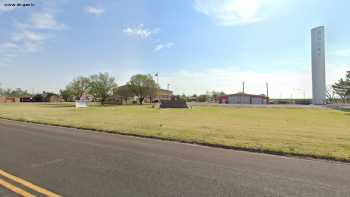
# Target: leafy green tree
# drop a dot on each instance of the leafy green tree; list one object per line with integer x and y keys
{"x": 215, "y": 95}
{"x": 183, "y": 98}
{"x": 143, "y": 86}
{"x": 67, "y": 95}
{"x": 101, "y": 86}
{"x": 1, "y": 90}
{"x": 202, "y": 98}
{"x": 18, "y": 93}
{"x": 153, "y": 90}
{"x": 342, "y": 87}
{"x": 77, "y": 87}
{"x": 125, "y": 92}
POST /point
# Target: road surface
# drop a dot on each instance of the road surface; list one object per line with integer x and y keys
{"x": 72, "y": 162}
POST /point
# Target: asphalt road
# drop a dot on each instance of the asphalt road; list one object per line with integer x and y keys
{"x": 73, "y": 162}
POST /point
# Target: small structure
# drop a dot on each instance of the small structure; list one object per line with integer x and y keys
{"x": 9, "y": 100}
{"x": 243, "y": 98}
{"x": 26, "y": 99}
{"x": 172, "y": 104}
{"x": 81, "y": 104}
{"x": 43, "y": 97}
{"x": 223, "y": 99}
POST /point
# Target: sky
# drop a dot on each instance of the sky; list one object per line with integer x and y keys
{"x": 194, "y": 45}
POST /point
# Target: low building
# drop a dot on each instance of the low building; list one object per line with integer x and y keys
{"x": 165, "y": 94}
{"x": 243, "y": 98}
{"x": 129, "y": 97}
{"x": 223, "y": 99}
{"x": 9, "y": 100}
{"x": 44, "y": 97}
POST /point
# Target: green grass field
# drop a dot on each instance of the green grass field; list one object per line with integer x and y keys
{"x": 321, "y": 133}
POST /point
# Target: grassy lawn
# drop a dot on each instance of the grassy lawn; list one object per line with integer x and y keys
{"x": 320, "y": 133}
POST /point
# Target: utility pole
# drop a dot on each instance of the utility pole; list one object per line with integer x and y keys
{"x": 168, "y": 86}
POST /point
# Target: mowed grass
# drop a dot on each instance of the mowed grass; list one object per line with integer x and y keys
{"x": 321, "y": 133}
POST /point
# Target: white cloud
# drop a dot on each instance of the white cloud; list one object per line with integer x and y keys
{"x": 27, "y": 36}
{"x": 231, "y": 12}
{"x": 9, "y": 45}
{"x": 140, "y": 31}
{"x": 22, "y": 41}
{"x": 45, "y": 21}
{"x": 94, "y": 10}
{"x": 281, "y": 83}
{"x": 159, "y": 47}
{"x": 29, "y": 41}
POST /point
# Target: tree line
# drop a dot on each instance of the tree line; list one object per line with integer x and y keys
{"x": 18, "y": 92}
{"x": 102, "y": 85}
{"x": 340, "y": 89}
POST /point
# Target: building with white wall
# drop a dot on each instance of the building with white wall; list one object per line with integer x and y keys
{"x": 243, "y": 98}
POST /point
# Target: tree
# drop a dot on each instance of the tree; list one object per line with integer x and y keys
{"x": 1, "y": 91}
{"x": 153, "y": 90}
{"x": 342, "y": 87}
{"x": 143, "y": 86}
{"x": 78, "y": 87}
{"x": 67, "y": 95}
{"x": 18, "y": 93}
{"x": 125, "y": 92}
{"x": 202, "y": 98}
{"x": 330, "y": 95}
{"x": 183, "y": 98}
{"x": 101, "y": 86}
{"x": 215, "y": 95}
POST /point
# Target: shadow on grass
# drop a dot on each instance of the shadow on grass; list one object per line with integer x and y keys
{"x": 57, "y": 105}
{"x": 341, "y": 108}
{"x": 347, "y": 111}
{"x": 72, "y": 105}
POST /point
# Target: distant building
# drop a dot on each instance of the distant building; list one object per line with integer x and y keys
{"x": 114, "y": 100}
{"x": 243, "y": 98}
{"x": 223, "y": 99}
{"x": 165, "y": 94}
{"x": 9, "y": 100}
{"x": 129, "y": 97}
{"x": 43, "y": 97}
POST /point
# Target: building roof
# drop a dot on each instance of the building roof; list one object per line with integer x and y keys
{"x": 166, "y": 91}
{"x": 245, "y": 94}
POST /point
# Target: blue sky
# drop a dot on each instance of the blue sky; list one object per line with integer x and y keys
{"x": 196, "y": 46}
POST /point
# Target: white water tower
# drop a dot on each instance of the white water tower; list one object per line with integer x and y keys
{"x": 318, "y": 66}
